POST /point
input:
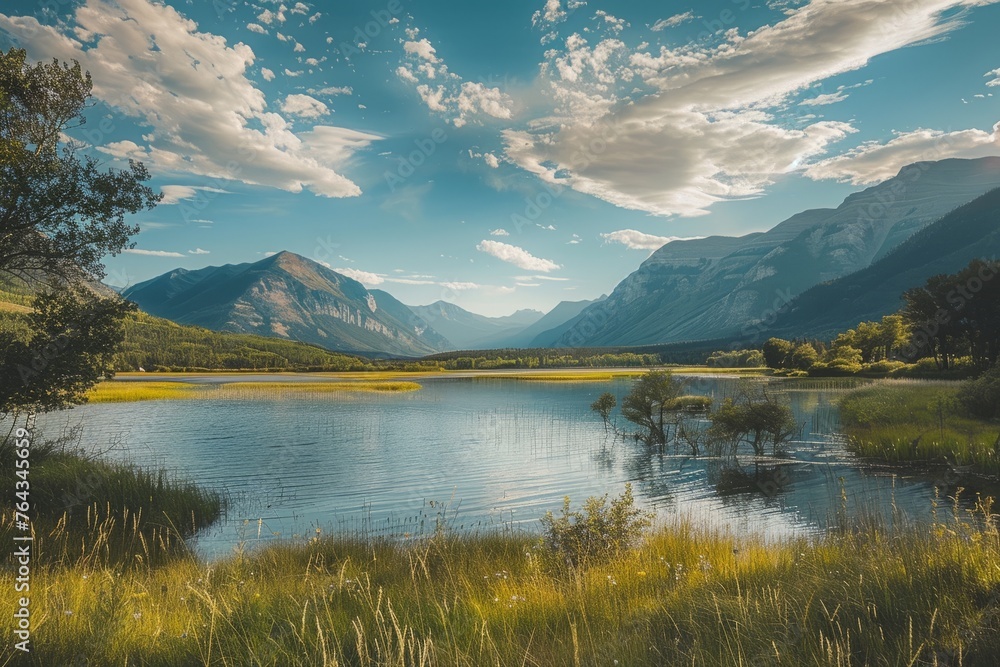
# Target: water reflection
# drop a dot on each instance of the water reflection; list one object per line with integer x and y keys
{"x": 479, "y": 454}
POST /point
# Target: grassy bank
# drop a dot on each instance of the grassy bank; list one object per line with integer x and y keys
{"x": 896, "y": 421}
{"x": 126, "y": 392}
{"x": 688, "y": 596}
{"x": 90, "y": 512}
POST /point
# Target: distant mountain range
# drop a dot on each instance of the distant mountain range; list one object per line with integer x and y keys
{"x": 826, "y": 270}
{"x": 288, "y": 296}
{"x": 969, "y": 232}
{"x": 719, "y": 286}
{"x": 469, "y": 331}
{"x": 291, "y": 297}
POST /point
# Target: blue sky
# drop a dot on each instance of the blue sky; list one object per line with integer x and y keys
{"x": 508, "y": 155}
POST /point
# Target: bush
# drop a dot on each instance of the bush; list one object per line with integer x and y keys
{"x": 981, "y": 396}
{"x": 835, "y": 368}
{"x": 883, "y": 367}
{"x": 597, "y": 534}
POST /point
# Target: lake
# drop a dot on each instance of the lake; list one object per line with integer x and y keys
{"x": 476, "y": 454}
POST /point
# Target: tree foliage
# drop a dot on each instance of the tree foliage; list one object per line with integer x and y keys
{"x": 649, "y": 403}
{"x": 60, "y": 214}
{"x": 753, "y": 417}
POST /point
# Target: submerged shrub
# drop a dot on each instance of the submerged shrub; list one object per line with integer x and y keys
{"x": 597, "y": 534}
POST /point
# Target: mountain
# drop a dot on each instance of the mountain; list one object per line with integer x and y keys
{"x": 717, "y": 286}
{"x": 469, "y": 331}
{"x": 288, "y": 296}
{"x": 546, "y": 331}
{"x": 946, "y": 246}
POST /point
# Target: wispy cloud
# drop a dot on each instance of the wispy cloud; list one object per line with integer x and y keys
{"x": 152, "y": 253}
{"x": 519, "y": 257}
{"x": 637, "y": 240}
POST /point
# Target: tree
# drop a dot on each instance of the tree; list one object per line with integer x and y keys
{"x": 776, "y": 351}
{"x": 753, "y": 417}
{"x": 603, "y": 406}
{"x": 60, "y": 214}
{"x": 802, "y": 357}
{"x": 649, "y": 401}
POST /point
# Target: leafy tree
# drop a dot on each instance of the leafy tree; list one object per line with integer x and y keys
{"x": 776, "y": 351}
{"x": 957, "y": 313}
{"x": 802, "y": 357}
{"x": 60, "y": 214}
{"x": 603, "y": 406}
{"x": 754, "y": 417}
{"x": 648, "y": 403}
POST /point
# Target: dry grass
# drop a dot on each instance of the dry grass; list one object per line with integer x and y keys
{"x": 125, "y": 392}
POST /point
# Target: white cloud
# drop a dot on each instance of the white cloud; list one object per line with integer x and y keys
{"x": 448, "y": 94}
{"x": 458, "y": 287}
{"x": 174, "y": 194}
{"x": 491, "y": 160}
{"x": 824, "y": 99}
{"x": 551, "y": 13}
{"x": 267, "y": 74}
{"x": 208, "y": 119}
{"x": 517, "y": 256}
{"x": 423, "y": 49}
{"x": 300, "y": 8}
{"x": 333, "y": 90}
{"x": 269, "y": 17}
{"x": 299, "y": 48}
{"x": 707, "y": 133}
{"x": 873, "y": 162}
{"x": 499, "y": 232}
{"x": 995, "y": 81}
{"x": 674, "y": 20}
{"x": 256, "y": 27}
{"x": 366, "y": 278}
{"x": 152, "y": 253}
{"x": 293, "y": 73}
{"x": 612, "y": 23}
{"x": 198, "y": 251}
{"x": 304, "y": 106}
{"x": 637, "y": 240}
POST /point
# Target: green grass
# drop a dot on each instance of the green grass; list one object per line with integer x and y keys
{"x": 127, "y": 392}
{"x": 912, "y": 421}
{"x": 687, "y": 596}
{"x": 91, "y": 512}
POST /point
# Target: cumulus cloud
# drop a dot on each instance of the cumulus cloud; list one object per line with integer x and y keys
{"x": 304, "y": 106}
{"x": 191, "y": 89}
{"x": 423, "y": 49}
{"x": 637, "y": 240}
{"x": 444, "y": 91}
{"x": 152, "y": 253}
{"x": 499, "y": 232}
{"x": 873, "y": 162}
{"x": 519, "y": 257}
{"x": 551, "y": 13}
{"x": 708, "y": 132}
{"x": 267, "y": 74}
{"x": 674, "y": 20}
{"x": 269, "y": 17}
{"x": 256, "y": 27}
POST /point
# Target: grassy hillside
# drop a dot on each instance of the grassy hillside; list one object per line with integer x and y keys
{"x": 157, "y": 344}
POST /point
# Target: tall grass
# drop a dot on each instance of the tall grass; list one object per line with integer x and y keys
{"x": 95, "y": 513}
{"x": 687, "y": 596}
{"x": 918, "y": 421}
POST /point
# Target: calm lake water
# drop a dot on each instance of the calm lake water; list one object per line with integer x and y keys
{"x": 474, "y": 454}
